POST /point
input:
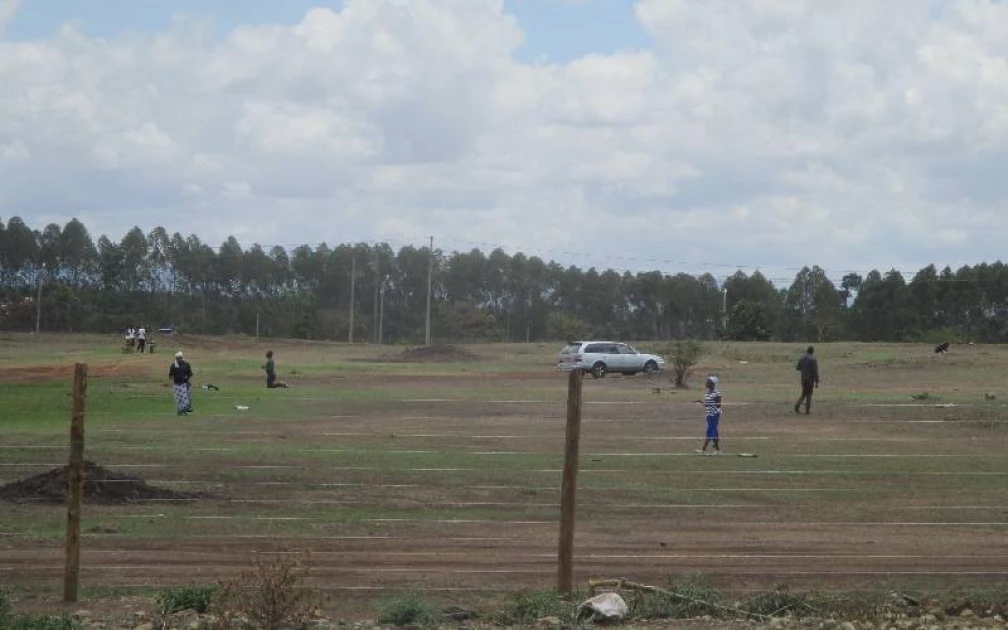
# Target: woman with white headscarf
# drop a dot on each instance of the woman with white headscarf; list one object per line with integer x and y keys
{"x": 180, "y": 372}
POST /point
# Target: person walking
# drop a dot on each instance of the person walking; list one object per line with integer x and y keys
{"x": 271, "y": 377}
{"x": 141, "y": 340}
{"x": 808, "y": 365}
{"x": 712, "y": 403}
{"x": 181, "y": 373}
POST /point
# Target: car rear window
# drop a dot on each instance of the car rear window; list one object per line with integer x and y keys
{"x": 573, "y": 348}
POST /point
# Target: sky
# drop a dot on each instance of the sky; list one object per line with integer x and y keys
{"x": 678, "y": 135}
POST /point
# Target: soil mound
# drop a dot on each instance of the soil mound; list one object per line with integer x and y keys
{"x": 438, "y": 353}
{"x": 100, "y": 486}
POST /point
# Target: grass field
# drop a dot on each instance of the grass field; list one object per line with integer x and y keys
{"x": 443, "y": 477}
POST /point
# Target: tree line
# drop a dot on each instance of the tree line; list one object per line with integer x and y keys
{"x": 60, "y": 279}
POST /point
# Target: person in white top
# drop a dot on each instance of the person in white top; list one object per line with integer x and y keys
{"x": 141, "y": 339}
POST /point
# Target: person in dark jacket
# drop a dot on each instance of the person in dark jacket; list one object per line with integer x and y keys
{"x": 271, "y": 377}
{"x": 809, "y": 368}
{"x": 180, "y": 373}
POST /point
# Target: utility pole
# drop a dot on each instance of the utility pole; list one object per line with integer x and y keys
{"x": 381, "y": 312}
{"x": 724, "y": 308}
{"x": 430, "y": 274}
{"x": 38, "y": 303}
{"x": 353, "y": 276}
{"x": 374, "y": 311}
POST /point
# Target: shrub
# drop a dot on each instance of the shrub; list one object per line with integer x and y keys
{"x": 408, "y": 610}
{"x": 270, "y": 595}
{"x": 684, "y": 356}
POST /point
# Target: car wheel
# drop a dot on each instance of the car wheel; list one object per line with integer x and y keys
{"x": 650, "y": 367}
{"x": 598, "y": 370}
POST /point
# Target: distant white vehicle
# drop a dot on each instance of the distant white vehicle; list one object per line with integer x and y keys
{"x": 603, "y": 357}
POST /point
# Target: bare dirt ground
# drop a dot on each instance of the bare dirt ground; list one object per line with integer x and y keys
{"x": 50, "y": 373}
{"x": 456, "y": 493}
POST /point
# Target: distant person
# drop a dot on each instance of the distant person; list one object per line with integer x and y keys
{"x": 809, "y": 368}
{"x": 181, "y": 373}
{"x": 271, "y": 377}
{"x": 141, "y": 340}
{"x": 130, "y": 336}
{"x": 712, "y": 403}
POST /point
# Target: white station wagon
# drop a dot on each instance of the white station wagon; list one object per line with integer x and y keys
{"x": 602, "y": 357}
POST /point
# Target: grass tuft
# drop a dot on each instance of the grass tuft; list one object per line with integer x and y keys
{"x": 408, "y": 610}
{"x": 780, "y": 601}
{"x": 527, "y": 607}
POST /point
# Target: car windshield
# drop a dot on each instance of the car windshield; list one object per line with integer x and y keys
{"x": 625, "y": 349}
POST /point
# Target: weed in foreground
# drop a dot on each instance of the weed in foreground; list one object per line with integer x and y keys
{"x": 408, "y": 610}
{"x": 270, "y": 595}
{"x": 780, "y": 601}
{"x": 5, "y": 607}
{"x": 194, "y": 597}
{"x": 41, "y": 622}
{"x": 10, "y": 621}
{"x": 527, "y": 607}
{"x": 689, "y": 597}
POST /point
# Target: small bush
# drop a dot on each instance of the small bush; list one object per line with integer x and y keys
{"x": 42, "y": 622}
{"x": 683, "y": 356}
{"x": 407, "y": 611}
{"x": 924, "y": 396}
{"x": 195, "y": 597}
{"x": 270, "y": 595}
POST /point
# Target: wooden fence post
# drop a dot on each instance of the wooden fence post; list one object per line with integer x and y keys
{"x": 75, "y": 475}
{"x": 565, "y": 563}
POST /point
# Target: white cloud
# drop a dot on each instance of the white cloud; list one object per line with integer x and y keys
{"x": 771, "y": 133}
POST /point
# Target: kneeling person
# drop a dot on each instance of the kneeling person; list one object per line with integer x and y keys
{"x": 271, "y": 377}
